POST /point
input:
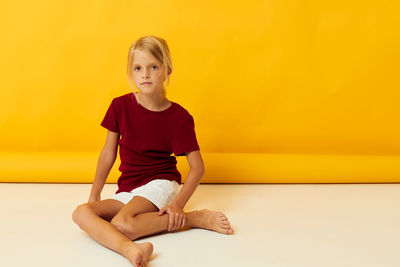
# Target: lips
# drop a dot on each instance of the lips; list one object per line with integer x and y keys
{"x": 146, "y": 83}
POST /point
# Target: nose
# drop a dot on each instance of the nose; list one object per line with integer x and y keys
{"x": 146, "y": 74}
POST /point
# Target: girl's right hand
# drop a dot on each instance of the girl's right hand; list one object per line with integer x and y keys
{"x": 94, "y": 198}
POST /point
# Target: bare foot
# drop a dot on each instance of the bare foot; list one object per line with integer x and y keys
{"x": 212, "y": 220}
{"x": 138, "y": 253}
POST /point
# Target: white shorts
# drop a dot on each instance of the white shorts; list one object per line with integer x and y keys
{"x": 160, "y": 192}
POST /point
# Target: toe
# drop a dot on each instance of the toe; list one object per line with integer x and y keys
{"x": 228, "y": 231}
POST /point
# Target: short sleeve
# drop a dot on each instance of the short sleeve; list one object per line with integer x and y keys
{"x": 110, "y": 120}
{"x": 185, "y": 140}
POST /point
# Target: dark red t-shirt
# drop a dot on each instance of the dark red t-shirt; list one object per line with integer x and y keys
{"x": 148, "y": 138}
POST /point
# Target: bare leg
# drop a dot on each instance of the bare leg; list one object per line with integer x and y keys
{"x": 106, "y": 234}
{"x": 150, "y": 223}
{"x": 123, "y": 228}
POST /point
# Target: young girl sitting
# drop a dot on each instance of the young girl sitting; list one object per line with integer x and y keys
{"x": 148, "y": 200}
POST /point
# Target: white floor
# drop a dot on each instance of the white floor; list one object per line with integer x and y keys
{"x": 275, "y": 225}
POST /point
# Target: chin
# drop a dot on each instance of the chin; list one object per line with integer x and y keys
{"x": 150, "y": 91}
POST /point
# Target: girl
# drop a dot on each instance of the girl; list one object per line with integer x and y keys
{"x": 151, "y": 127}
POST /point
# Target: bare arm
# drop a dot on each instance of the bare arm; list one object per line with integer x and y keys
{"x": 192, "y": 180}
{"x": 104, "y": 164}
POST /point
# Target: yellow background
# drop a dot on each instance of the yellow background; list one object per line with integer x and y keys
{"x": 277, "y": 88}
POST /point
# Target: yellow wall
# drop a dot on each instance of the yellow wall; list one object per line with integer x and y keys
{"x": 271, "y": 77}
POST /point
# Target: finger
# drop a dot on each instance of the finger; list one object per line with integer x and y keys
{"x": 183, "y": 220}
{"x": 180, "y": 221}
{"x": 161, "y": 211}
{"x": 179, "y": 224}
{"x": 171, "y": 223}
{"x": 177, "y": 221}
{"x": 177, "y": 218}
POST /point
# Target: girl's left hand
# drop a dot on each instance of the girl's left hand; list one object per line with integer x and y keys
{"x": 176, "y": 216}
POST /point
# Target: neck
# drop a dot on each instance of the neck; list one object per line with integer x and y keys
{"x": 152, "y": 101}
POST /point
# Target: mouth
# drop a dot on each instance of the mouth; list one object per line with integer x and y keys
{"x": 145, "y": 83}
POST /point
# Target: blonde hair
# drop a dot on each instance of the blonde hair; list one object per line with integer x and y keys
{"x": 157, "y": 47}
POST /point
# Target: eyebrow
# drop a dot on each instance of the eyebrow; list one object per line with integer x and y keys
{"x": 153, "y": 63}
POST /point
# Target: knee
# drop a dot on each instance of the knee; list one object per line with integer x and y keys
{"x": 79, "y": 213}
{"x": 125, "y": 225}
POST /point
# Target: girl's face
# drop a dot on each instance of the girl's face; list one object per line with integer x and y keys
{"x": 147, "y": 73}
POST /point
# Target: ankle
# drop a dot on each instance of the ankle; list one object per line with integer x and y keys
{"x": 193, "y": 218}
{"x": 125, "y": 247}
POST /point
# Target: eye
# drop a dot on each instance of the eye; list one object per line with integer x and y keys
{"x": 137, "y": 68}
{"x": 154, "y": 66}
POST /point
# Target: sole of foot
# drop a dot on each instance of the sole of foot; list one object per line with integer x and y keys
{"x": 138, "y": 253}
